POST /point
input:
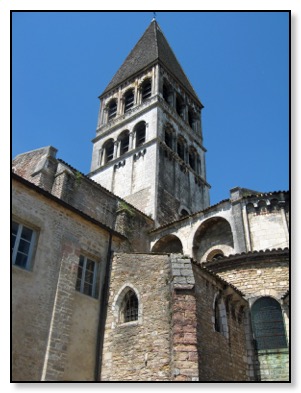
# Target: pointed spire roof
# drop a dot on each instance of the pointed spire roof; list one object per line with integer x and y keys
{"x": 151, "y": 48}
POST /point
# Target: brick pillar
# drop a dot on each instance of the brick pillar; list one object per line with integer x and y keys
{"x": 184, "y": 321}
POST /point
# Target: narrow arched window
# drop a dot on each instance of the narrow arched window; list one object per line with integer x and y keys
{"x": 217, "y": 316}
{"x": 109, "y": 150}
{"x": 190, "y": 118}
{"x": 180, "y": 149}
{"x": 165, "y": 92}
{"x": 128, "y": 100}
{"x": 192, "y": 158}
{"x": 146, "y": 90}
{"x": 180, "y": 106}
{"x": 140, "y": 133}
{"x": 220, "y": 317}
{"x": 129, "y": 307}
{"x": 168, "y": 138}
{"x": 267, "y": 323}
{"x": 124, "y": 142}
{"x": 112, "y": 109}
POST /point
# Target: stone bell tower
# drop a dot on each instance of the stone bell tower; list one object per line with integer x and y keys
{"x": 148, "y": 147}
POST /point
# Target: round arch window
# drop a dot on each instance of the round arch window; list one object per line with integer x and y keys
{"x": 214, "y": 254}
{"x": 267, "y": 323}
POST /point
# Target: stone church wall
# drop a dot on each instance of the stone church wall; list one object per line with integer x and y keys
{"x": 222, "y": 357}
{"x": 258, "y": 275}
{"x": 177, "y": 187}
{"x": 74, "y": 188}
{"x": 37, "y": 166}
{"x": 139, "y": 350}
{"x": 268, "y": 231}
{"x": 46, "y": 333}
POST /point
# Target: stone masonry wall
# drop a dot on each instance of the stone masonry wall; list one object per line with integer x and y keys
{"x": 177, "y": 185}
{"x": 257, "y": 275}
{"x": 184, "y": 321}
{"x": 37, "y": 166}
{"x": 221, "y": 357}
{"x": 61, "y": 180}
{"x": 139, "y": 350}
{"x": 43, "y": 337}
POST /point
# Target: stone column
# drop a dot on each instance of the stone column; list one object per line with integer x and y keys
{"x": 247, "y": 228}
{"x": 100, "y": 156}
{"x": 157, "y": 80}
{"x": 136, "y": 92}
{"x": 285, "y": 226}
{"x": 131, "y": 140}
{"x": 121, "y": 106}
{"x": 184, "y": 321}
{"x": 115, "y": 149}
{"x": 105, "y": 115}
{"x": 154, "y": 85}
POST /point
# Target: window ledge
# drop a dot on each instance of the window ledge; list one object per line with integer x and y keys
{"x": 128, "y": 324}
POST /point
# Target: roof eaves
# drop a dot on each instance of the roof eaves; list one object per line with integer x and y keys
{"x": 61, "y": 202}
{"x": 187, "y": 217}
{"x": 104, "y": 189}
{"x": 256, "y": 254}
{"x": 215, "y": 275}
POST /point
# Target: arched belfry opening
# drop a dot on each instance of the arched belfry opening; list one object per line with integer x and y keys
{"x": 155, "y": 165}
{"x": 168, "y": 244}
{"x": 213, "y": 238}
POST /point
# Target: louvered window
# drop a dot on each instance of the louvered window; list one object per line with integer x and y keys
{"x": 140, "y": 134}
{"x": 112, "y": 109}
{"x": 129, "y": 101}
{"x": 146, "y": 90}
{"x": 124, "y": 142}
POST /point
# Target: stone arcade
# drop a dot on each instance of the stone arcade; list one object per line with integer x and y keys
{"x": 128, "y": 273}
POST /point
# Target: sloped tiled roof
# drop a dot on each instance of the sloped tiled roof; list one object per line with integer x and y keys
{"x": 151, "y": 48}
{"x": 225, "y": 262}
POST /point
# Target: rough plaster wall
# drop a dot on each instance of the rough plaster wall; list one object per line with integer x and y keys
{"x": 139, "y": 351}
{"x": 267, "y": 231}
{"x": 220, "y": 358}
{"x": 62, "y": 236}
{"x": 80, "y": 359}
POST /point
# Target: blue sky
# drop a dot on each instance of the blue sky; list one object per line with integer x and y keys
{"x": 237, "y": 62}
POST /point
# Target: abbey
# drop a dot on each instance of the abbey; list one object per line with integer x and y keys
{"x": 127, "y": 273}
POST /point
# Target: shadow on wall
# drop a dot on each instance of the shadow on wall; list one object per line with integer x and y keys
{"x": 168, "y": 244}
{"x": 213, "y": 237}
